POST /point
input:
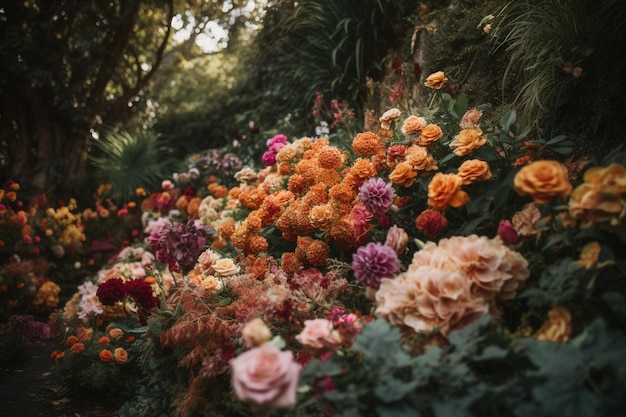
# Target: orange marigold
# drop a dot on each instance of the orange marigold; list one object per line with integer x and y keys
{"x": 297, "y": 184}
{"x": 193, "y": 206}
{"x": 302, "y": 246}
{"x": 342, "y": 192}
{"x": 330, "y": 157}
{"x": 317, "y": 253}
{"x": 182, "y": 203}
{"x": 71, "y": 340}
{"x": 104, "y": 340}
{"x": 258, "y": 244}
{"x": 308, "y": 168}
{"x": 362, "y": 170}
{"x": 259, "y": 267}
{"x": 367, "y": 144}
{"x": 218, "y": 190}
{"x": 329, "y": 177}
{"x": 227, "y": 228}
{"x": 403, "y": 174}
{"x": 290, "y": 263}
{"x": 105, "y": 355}
{"x": 445, "y": 190}
{"x": 321, "y": 217}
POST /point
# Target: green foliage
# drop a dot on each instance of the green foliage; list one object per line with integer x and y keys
{"x": 482, "y": 372}
{"x": 130, "y": 161}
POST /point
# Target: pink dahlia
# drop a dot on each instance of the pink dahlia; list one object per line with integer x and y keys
{"x": 373, "y": 262}
{"x": 376, "y": 195}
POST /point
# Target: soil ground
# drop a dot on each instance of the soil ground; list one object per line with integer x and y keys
{"x": 28, "y": 388}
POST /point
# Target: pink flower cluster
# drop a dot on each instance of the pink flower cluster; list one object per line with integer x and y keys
{"x": 450, "y": 284}
{"x": 274, "y": 145}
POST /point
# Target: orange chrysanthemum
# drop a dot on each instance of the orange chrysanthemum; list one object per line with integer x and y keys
{"x": 290, "y": 263}
{"x": 227, "y": 228}
{"x": 297, "y": 184}
{"x": 258, "y": 244}
{"x": 317, "y": 253}
{"x": 321, "y": 217}
{"x": 342, "y": 192}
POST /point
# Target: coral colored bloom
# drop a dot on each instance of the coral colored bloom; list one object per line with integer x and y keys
{"x": 105, "y": 355}
{"x": 77, "y": 347}
{"x": 104, "y": 340}
{"x": 431, "y": 222}
{"x": 265, "y": 378}
{"x": 367, "y": 144}
{"x": 430, "y": 134}
{"x": 373, "y": 262}
{"x": 543, "y": 180}
{"x": 71, "y": 340}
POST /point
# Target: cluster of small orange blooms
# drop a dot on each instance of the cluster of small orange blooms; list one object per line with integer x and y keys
{"x": 77, "y": 345}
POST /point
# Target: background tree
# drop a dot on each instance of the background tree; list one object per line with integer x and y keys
{"x": 70, "y": 65}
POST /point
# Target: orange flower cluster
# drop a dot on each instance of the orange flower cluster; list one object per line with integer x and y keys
{"x": 599, "y": 200}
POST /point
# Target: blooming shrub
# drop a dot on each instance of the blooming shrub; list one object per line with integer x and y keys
{"x": 435, "y": 265}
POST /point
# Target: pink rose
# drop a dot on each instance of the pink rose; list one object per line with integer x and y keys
{"x": 317, "y": 336}
{"x": 265, "y": 378}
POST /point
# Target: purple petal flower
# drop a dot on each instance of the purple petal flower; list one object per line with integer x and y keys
{"x": 376, "y": 195}
{"x": 373, "y": 262}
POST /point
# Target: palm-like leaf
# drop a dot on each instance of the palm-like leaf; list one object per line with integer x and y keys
{"x": 130, "y": 161}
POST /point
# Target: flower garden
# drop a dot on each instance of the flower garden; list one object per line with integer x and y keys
{"x": 436, "y": 263}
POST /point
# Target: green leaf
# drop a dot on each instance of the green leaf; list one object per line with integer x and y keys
{"x": 460, "y": 107}
{"x": 376, "y": 337}
{"x": 508, "y": 120}
{"x": 501, "y": 196}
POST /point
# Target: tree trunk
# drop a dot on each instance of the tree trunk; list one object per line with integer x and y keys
{"x": 47, "y": 154}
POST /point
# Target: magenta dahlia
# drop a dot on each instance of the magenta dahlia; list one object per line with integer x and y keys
{"x": 373, "y": 262}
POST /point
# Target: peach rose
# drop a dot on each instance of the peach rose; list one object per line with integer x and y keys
{"x": 445, "y": 190}
{"x": 225, "y": 267}
{"x": 116, "y": 333}
{"x": 436, "y": 80}
{"x": 397, "y": 239}
{"x": 317, "y": 336}
{"x": 558, "y": 327}
{"x": 84, "y": 333}
{"x": 120, "y": 355}
{"x": 403, "y": 174}
{"x": 543, "y": 180}
{"x": 388, "y": 117}
{"x": 474, "y": 170}
{"x": 419, "y": 158}
{"x": 468, "y": 140}
{"x": 430, "y": 134}
{"x": 256, "y": 332}
{"x": 265, "y": 378}
{"x": 413, "y": 125}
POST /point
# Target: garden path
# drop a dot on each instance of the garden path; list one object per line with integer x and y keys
{"x": 28, "y": 388}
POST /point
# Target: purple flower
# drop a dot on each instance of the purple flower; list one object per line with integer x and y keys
{"x": 179, "y": 245}
{"x": 376, "y": 195}
{"x": 373, "y": 262}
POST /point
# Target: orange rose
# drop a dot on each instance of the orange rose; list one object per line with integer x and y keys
{"x": 474, "y": 170}
{"x": 120, "y": 355}
{"x": 558, "y": 327}
{"x": 431, "y": 222}
{"x": 105, "y": 355}
{"x": 420, "y": 159}
{"x": 104, "y": 340}
{"x": 436, "y": 80}
{"x": 445, "y": 190}
{"x": 543, "y": 180}
{"x": 467, "y": 140}
{"x": 430, "y": 134}
{"x": 403, "y": 174}
{"x": 388, "y": 117}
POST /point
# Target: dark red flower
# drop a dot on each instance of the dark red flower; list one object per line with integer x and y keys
{"x": 111, "y": 291}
